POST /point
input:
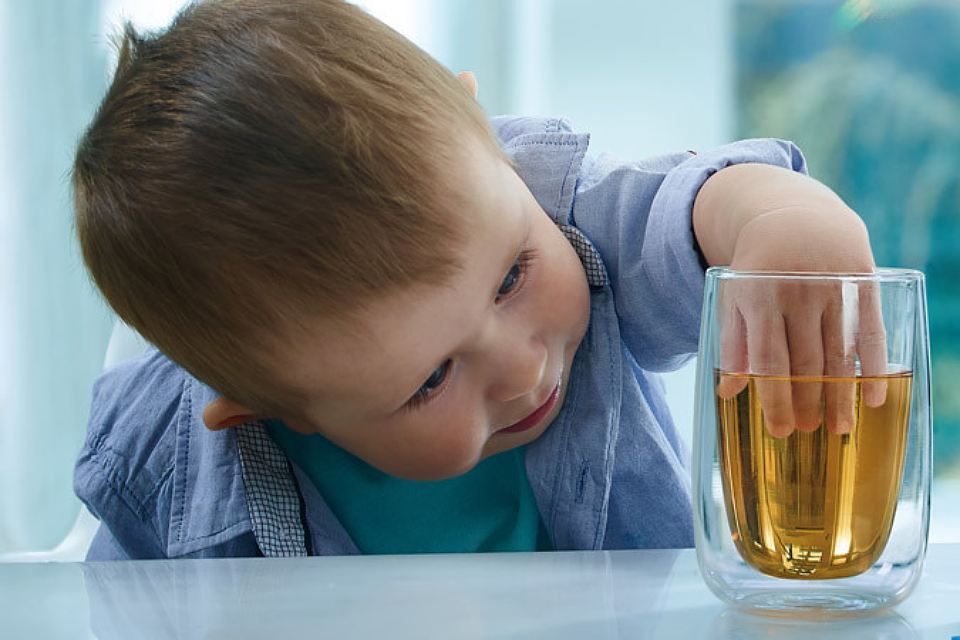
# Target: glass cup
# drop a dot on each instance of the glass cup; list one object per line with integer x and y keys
{"x": 812, "y": 451}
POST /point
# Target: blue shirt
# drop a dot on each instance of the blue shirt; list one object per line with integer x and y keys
{"x": 611, "y": 471}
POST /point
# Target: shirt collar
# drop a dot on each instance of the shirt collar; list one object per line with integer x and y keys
{"x": 548, "y": 157}
{"x": 208, "y": 500}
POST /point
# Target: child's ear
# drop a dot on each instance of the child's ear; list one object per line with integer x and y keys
{"x": 469, "y": 82}
{"x": 224, "y": 413}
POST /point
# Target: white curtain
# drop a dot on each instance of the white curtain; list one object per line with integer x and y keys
{"x": 55, "y": 63}
{"x": 53, "y": 329}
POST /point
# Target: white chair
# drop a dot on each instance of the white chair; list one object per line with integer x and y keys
{"x": 125, "y": 344}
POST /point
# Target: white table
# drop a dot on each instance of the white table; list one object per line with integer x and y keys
{"x": 583, "y": 595}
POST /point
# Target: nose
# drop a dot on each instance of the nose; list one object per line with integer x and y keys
{"x": 517, "y": 368}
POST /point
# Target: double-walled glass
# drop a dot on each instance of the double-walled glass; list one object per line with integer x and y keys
{"x": 812, "y": 452}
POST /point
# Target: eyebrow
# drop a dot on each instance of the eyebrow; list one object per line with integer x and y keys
{"x": 515, "y": 255}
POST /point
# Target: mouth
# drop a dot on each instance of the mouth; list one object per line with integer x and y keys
{"x": 534, "y": 418}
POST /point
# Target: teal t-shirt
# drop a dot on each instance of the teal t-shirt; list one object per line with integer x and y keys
{"x": 489, "y": 508}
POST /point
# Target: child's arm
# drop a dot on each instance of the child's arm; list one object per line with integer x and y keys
{"x": 756, "y": 217}
{"x": 763, "y": 217}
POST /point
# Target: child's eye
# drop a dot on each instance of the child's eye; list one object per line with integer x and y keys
{"x": 515, "y": 276}
{"x": 512, "y": 283}
{"x": 426, "y": 390}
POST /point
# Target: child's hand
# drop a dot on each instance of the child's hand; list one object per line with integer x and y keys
{"x": 800, "y": 327}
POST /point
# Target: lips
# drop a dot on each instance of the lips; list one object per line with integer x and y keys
{"x": 538, "y": 415}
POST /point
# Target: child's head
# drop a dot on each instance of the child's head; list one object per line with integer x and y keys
{"x": 276, "y": 193}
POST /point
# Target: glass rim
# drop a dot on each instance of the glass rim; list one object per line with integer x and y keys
{"x": 881, "y": 274}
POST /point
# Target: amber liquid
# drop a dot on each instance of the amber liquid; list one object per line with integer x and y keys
{"x": 814, "y": 504}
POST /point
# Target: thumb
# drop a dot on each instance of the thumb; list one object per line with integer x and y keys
{"x": 733, "y": 354}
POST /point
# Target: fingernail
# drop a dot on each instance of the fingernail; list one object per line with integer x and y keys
{"x": 728, "y": 386}
{"x": 875, "y": 393}
{"x": 779, "y": 430}
{"x": 808, "y": 425}
{"x": 844, "y": 425}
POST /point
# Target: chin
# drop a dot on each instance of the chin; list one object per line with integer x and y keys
{"x": 433, "y": 472}
{"x": 499, "y": 445}
{"x": 505, "y": 441}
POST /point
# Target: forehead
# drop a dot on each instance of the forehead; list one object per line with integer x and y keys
{"x": 367, "y": 366}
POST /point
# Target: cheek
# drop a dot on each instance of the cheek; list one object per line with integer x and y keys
{"x": 564, "y": 297}
{"x": 577, "y": 298}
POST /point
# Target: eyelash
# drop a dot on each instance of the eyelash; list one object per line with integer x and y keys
{"x": 524, "y": 261}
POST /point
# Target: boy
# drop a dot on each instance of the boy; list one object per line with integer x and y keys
{"x": 381, "y": 325}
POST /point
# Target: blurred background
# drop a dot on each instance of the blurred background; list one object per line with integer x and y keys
{"x": 869, "y": 89}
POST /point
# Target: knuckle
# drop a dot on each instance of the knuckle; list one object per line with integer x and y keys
{"x": 871, "y": 338}
{"x": 806, "y": 363}
{"x": 839, "y": 362}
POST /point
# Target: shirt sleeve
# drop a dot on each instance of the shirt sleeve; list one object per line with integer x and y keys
{"x": 639, "y": 216}
{"x": 122, "y": 473}
{"x": 105, "y": 547}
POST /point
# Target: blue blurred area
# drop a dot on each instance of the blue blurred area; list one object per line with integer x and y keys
{"x": 871, "y": 92}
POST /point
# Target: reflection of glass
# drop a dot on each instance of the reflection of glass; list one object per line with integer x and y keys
{"x": 883, "y": 624}
{"x": 812, "y": 467}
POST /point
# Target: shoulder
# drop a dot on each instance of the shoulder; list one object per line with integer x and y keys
{"x": 134, "y": 403}
{"x": 130, "y": 389}
{"x": 546, "y": 154}
{"x": 508, "y": 128}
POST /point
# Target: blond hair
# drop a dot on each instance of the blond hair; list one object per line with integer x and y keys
{"x": 262, "y": 161}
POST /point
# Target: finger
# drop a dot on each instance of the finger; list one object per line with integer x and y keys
{"x": 839, "y": 366}
{"x": 768, "y": 356}
{"x": 805, "y": 341}
{"x": 733, "y": 353}
{"x": 872, "y": 345}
